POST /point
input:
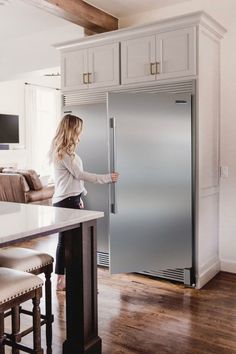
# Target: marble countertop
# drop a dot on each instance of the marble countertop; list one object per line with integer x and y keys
{"x": 22, "y": 220}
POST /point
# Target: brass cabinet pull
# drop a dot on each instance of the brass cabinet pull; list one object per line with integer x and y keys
{"x": 153, "y": 68}
{"x": 158, "y": 67}
{"x": 85, "y": 78}
{"x": 89, "y": 81}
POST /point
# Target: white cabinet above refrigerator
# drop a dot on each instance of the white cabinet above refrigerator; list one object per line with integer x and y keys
{"x": 95, "y": 67}
{"x": 165, "y": 55}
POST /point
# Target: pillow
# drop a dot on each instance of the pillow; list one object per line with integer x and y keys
{"x": 32, "y": 179}
{"x": 30, "y": 175}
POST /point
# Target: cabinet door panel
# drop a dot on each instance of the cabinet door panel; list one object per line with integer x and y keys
{"x": 136, "y": 58}
{"x": 150, "y": 146}
{"x": 74, "y": 65}
{"x": 175, "y": 51}
{"x": 104, "y": 65}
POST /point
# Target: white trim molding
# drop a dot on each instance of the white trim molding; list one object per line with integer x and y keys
{"x": 207, "y": 272}
{"x": 227, "y": 266}
{"x": 183, "y": 21}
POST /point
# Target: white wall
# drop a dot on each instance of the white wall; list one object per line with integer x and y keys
{"x": 12, "y": 101}
{"x": 225, "y": 13}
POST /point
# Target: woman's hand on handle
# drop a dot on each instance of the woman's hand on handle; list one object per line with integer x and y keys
{"x": 114, "y": 176}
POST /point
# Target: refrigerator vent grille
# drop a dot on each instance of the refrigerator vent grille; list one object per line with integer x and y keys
{"x": 78, "y": 98}
{"x": 103, "y": 259}
{"x": 177, "y": 87}
{"x": 93, "y": 96}
{"x": 171, "y": 274}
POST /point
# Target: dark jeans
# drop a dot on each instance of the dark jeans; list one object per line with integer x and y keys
{"x": 73, "y": 203}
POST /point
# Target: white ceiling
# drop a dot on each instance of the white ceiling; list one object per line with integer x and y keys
{"x": 122, "y": 8}
{"x": 27, "y": 34}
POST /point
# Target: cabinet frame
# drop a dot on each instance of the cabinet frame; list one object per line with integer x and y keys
{"x": 153, "y": 68}
{"x": 86, "y": 75}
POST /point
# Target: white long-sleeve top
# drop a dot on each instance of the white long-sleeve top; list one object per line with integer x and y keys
{"x": 70, "y": 176}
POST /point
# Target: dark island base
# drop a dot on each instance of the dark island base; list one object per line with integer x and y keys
{"x": 81, "y": 291}
{"x": 93, "y": 348}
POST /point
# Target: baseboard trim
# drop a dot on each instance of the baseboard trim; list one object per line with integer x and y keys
{"x": 228, "y": 266}
{"x": 208, "y": 272}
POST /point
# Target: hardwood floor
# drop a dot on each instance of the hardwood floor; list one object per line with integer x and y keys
{"x": 140, "y": 315}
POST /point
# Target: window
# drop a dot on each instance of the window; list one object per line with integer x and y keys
{"x": 42, "y": 117}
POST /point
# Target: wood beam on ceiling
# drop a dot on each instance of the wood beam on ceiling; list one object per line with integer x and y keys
{"x": 88, "y": 32}
{"x": 80, "y": 13}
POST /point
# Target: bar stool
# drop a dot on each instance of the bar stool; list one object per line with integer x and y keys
{"x": 33, "y": 262}
{"x": 16, "y": 288}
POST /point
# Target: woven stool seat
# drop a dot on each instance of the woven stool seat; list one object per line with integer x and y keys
{"x": 23, "y": 259}
{"x": 14, "y": 283}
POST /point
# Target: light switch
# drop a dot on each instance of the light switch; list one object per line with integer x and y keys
{"x": 224, "y": 171}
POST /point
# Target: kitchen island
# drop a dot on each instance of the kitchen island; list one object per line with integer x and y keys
{"x": 19, "y": 222}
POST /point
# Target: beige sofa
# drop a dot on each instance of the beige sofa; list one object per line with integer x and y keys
{"x": 23, "y": 186}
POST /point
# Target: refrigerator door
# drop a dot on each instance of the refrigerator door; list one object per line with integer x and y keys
{"x": 93, "y": 149}
{"x": 151, "y": 205}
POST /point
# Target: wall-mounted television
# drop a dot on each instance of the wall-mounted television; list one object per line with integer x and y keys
{"x": 9, "y": 129}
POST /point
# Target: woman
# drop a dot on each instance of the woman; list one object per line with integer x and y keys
{"x": 69, "y": 179}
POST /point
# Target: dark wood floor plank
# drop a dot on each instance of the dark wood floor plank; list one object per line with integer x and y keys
{"x": 140, "y": 315}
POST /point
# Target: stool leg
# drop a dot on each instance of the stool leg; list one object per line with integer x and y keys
{"x": 15, "y": 325}
{"x": 37, "y": 322}
{"x": 48, "y": 307}
{"x": 2, "y": 347}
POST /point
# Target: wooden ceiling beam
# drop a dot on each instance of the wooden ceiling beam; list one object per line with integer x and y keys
{"x": 78, "y": 12}
{"x": 88, "y": 32}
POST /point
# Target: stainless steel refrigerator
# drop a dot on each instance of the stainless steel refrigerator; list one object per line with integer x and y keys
{"x": 147, "y": 138}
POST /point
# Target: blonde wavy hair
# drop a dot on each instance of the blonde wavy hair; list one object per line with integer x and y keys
{"x": 66, "y": 138}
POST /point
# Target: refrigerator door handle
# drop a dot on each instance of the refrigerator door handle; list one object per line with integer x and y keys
{"x": 114, "y": 208}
